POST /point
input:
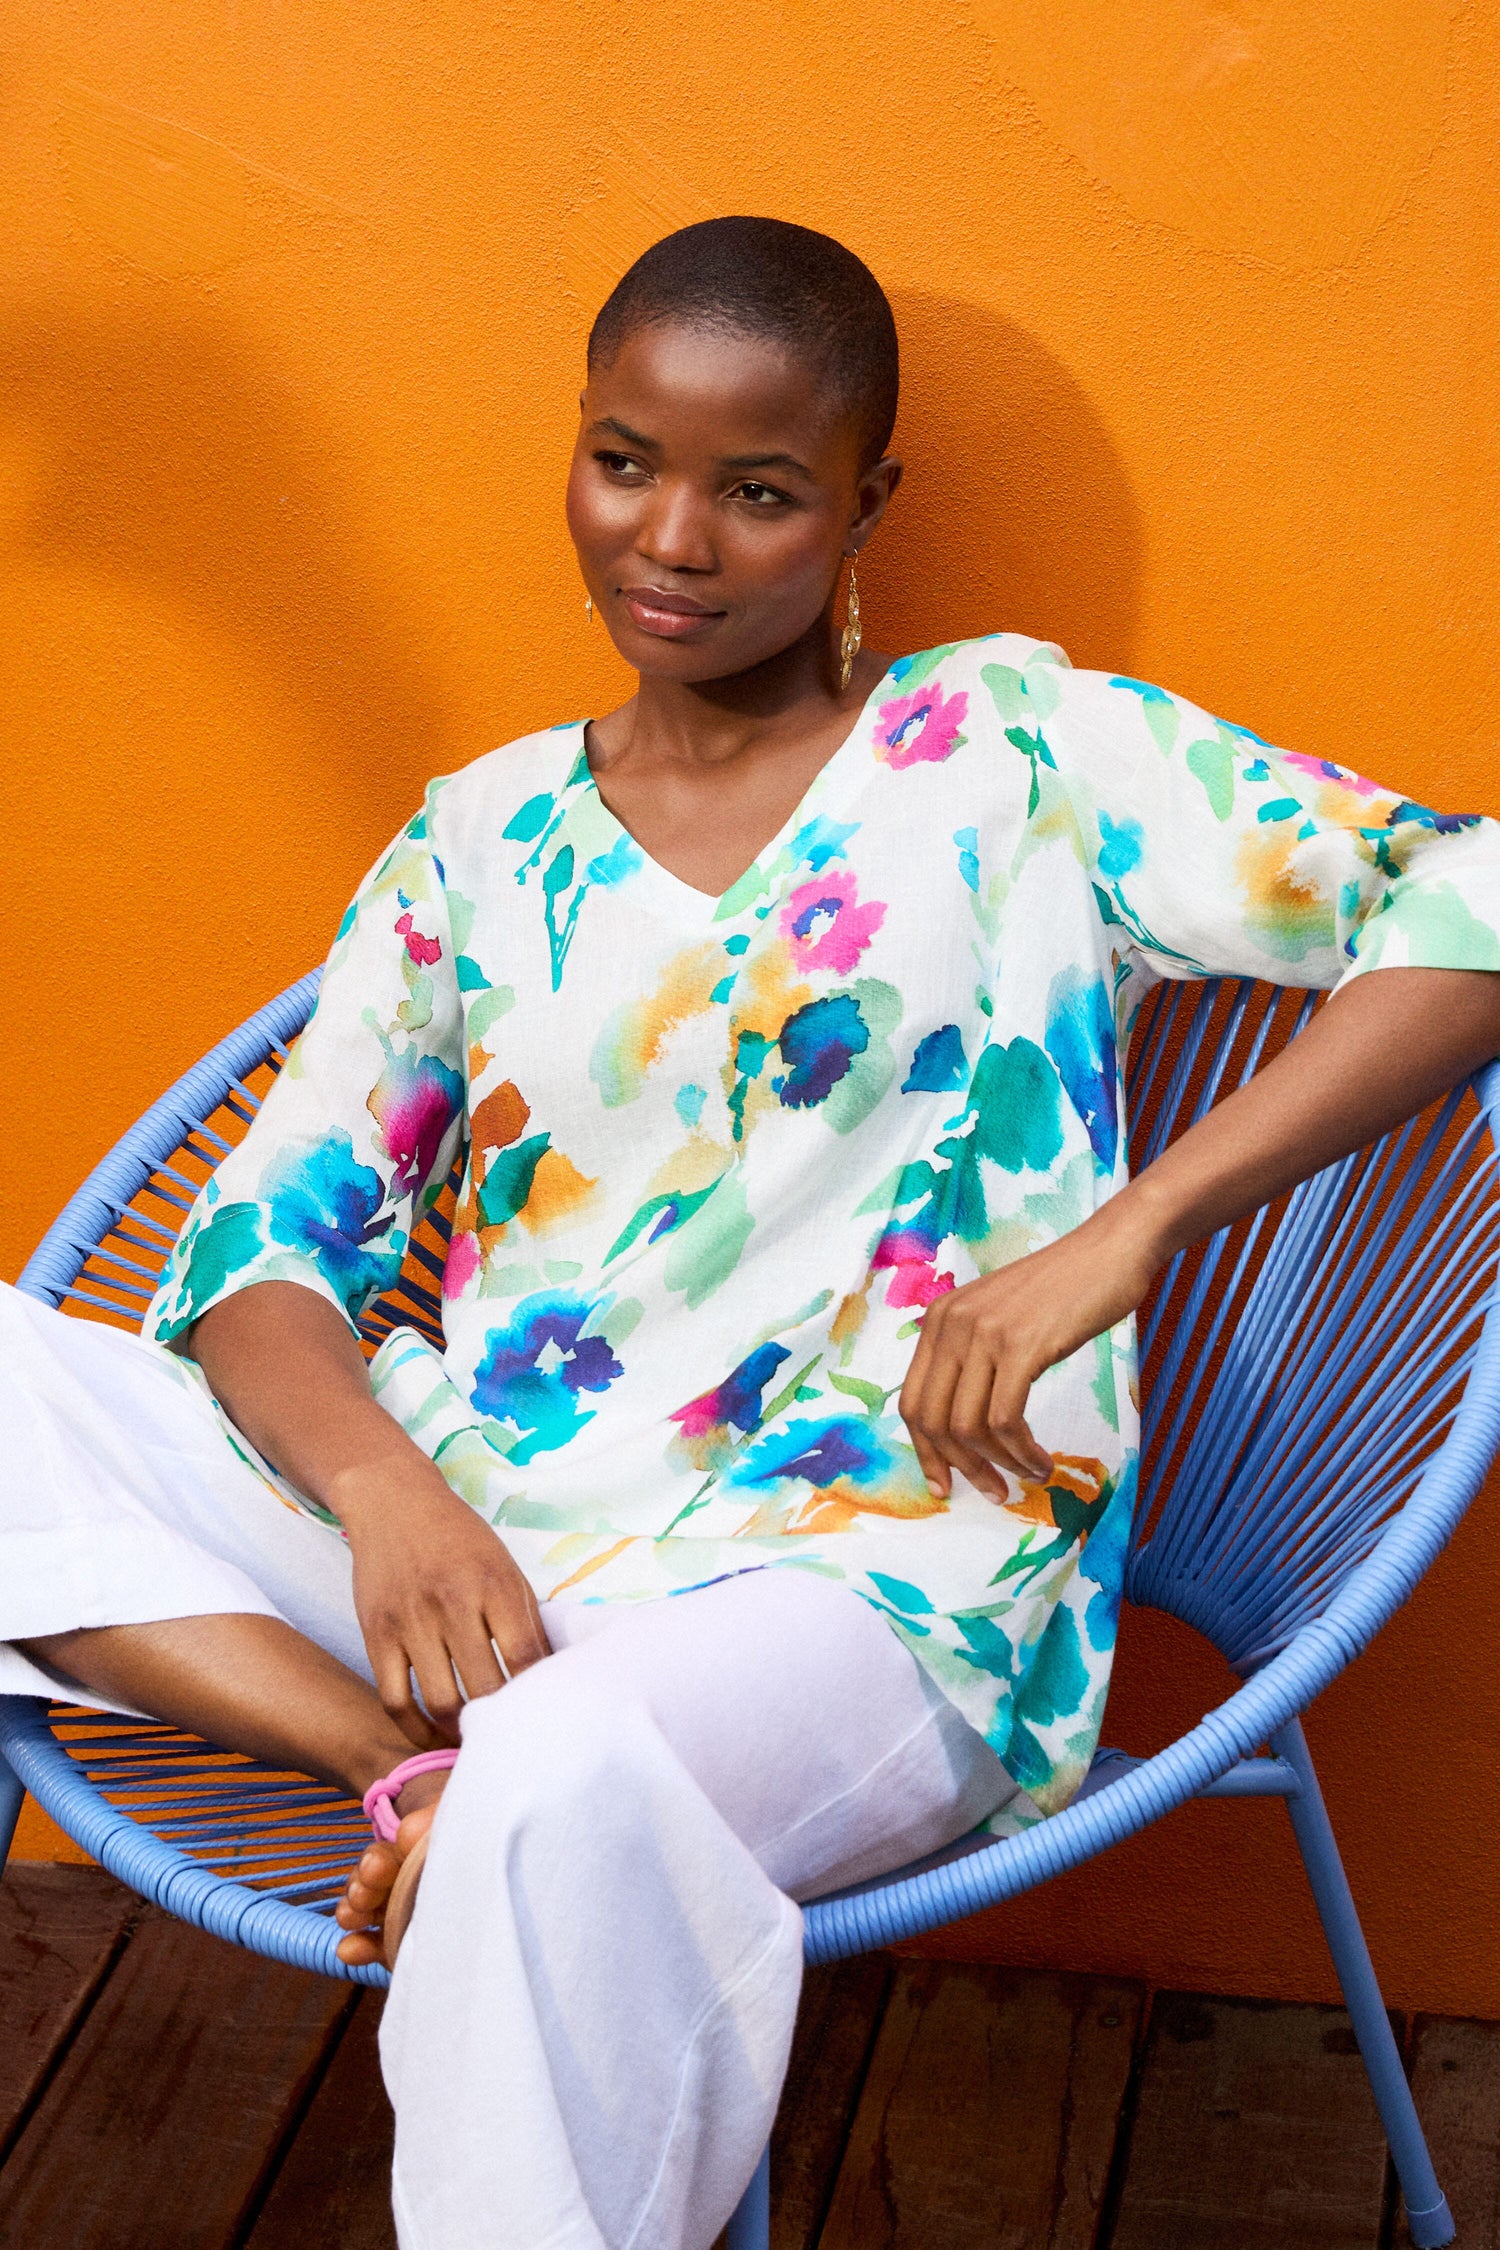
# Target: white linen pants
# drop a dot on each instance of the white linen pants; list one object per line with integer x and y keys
{"x": 590, "y": 2018}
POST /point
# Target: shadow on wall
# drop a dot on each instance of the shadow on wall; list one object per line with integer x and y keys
{"x": 1016, "y": 514}
{"x": 164, "y": 457}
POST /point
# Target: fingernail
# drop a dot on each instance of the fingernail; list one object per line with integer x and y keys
{"x": 934, "y": 1488}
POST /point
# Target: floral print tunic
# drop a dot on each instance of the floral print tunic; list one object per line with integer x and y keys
{"x": 718, "y": 1154}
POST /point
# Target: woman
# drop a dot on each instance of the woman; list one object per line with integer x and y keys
{"x": 775, "y": 1017}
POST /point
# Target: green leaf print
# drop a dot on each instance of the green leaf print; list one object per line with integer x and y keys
{"x": 1212, "y": 763}
{"x": 507, "y": 1181}
{"x": 913, "y": 670}
{"x": 902, "y": 1595}
{"x": 525, "y": 826}
{"x": 681, "y": 1206}
{"x": 788, "y": 1392}
{"x": 707, "y": 1249}
{"x": 1057, "y": 1679}
{"x": 1035, "y": 751}
{"x": 1437, "y": 926}
{"x": 489, "y": 1008}
{"x": 231, "y": 1240}
{"x": 1016, "y": 1096}
{"x": 1007, "y": 691}
{"x": 870, "y": 1395}
{"x": 869, "y": 1074}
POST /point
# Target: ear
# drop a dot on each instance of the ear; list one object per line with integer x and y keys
{"x": 872, "y": 496}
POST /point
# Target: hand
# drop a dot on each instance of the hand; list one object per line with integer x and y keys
{"x": 983, "y": 1346}
{"x": 436, "y": 1593}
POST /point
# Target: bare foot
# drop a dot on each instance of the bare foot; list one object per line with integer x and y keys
{"x": 361, "y": 1910}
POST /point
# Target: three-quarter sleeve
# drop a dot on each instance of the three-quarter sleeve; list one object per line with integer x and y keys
{"x": 1214, "y": 854}
{"x": 360, "y": 1127}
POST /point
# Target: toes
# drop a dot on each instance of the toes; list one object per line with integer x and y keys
{"x": 413, "y": 1825}
{"x": 377, "y": 1868}
{"x": 360, "y": 1910}
{"x": 359, "y": 1906}
{"x": 358, "y": 1951}
{"x": 368, "y": 1888}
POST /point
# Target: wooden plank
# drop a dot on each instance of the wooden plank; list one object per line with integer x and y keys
{"x": 170, "y": 2107}
{"x": 836, "y": 2027}
{"x": 1455, "y": 2076}
{"x": 988, "y": 2116}
{"x": 59, "y": 1928}
{"x": 1255, "y": 2126}
{"x": 333, "y": 2191}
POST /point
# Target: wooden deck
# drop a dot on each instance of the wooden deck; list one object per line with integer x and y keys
{"x": 162, "y": 2091}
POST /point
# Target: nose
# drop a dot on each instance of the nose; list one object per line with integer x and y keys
{"x": 676, "y": 531}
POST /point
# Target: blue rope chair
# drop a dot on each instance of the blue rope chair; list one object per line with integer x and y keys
{"x": 1307, "y": 1457}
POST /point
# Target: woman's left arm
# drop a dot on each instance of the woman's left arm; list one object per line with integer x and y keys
{"x": 1382, "y": 1049}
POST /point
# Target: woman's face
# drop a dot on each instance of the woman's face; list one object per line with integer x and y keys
{"x": 712, "y": 494}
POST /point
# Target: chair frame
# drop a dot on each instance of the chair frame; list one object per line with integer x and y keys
{"x": 1220, "y": 1757}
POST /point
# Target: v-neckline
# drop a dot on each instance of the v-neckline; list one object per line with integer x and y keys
{"x": 706, "y": 906}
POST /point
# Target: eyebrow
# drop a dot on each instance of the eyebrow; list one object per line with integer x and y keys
{"x": 768, "y": 461}
{"x": 738, "y": 461}
{"x": 631, "y": 437}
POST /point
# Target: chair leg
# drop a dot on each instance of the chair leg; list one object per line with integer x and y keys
{"x": 11, "y": 1794}
{"x": 1427, "y": 2212}
{"x": 750, "y": 2228}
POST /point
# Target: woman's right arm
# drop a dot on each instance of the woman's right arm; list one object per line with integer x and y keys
{"x": 300, "y": 1227}
{"x": 435, "y": 1589}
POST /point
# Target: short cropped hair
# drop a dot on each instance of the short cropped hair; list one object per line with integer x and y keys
{"x": 768, "y": 278}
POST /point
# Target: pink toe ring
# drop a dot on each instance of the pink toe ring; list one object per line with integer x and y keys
{"x": 380, "y": 1797}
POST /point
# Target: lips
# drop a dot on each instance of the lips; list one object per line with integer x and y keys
{"x": 667, "y": 615}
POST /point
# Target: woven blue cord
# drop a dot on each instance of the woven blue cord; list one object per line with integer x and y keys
{"x": 1401, "y": 1549}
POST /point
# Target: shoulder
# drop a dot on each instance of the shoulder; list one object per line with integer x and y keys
{"x": 506, "y": 781}
{"x": 1013, "y": 685}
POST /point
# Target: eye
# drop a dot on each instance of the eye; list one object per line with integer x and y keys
{"x": 760, "y": 495}
{"x": 622, "y": 465}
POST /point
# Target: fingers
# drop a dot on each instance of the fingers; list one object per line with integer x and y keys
{"x": 449, "y": 1659}
{"x": 965, "y": 1396}
{"x": 437, "y": 1677}
{"x": 931, "y": 1463}
{"x": 477, "y": 1655}
{"x": 393, "y": 1684}
{"x": 515, "y": 1627}
{"x": 446, "y": 1618}
{"x": 1011, "y": 1433}
{"x": 926, "y": 1397}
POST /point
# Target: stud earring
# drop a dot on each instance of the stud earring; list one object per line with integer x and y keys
{"x": 849, "y": 643}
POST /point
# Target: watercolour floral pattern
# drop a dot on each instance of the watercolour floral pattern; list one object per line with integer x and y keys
{"x": 716, "y": 1156}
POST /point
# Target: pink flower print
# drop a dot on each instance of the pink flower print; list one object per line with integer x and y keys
{"x": 1324, "y": 769}
{"x": 414, "y": 1101}
{"x": 827, "y": 926}
{"x": 423, "y": 950}
{"x": 909, "y": 1254}
{"x": 462, "y": 1264}
{"x": 921, "y": 728}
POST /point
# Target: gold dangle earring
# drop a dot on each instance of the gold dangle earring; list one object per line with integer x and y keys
{"x": 588, "y": 607}
{"x": 849, "y": 644}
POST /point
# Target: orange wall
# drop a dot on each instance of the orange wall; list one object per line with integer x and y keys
{"x": 1200, "y": 321}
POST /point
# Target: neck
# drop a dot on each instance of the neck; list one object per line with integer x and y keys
{"x": 712, "y": 722}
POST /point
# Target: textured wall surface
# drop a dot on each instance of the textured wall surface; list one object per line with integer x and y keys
{"x": 1199, "y": 310}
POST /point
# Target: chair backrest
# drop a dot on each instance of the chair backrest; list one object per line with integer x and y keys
{"x": 1298, "y": 1370}
{"x": 1301, "y": 1369}
{"x": 108, "y": 1247}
